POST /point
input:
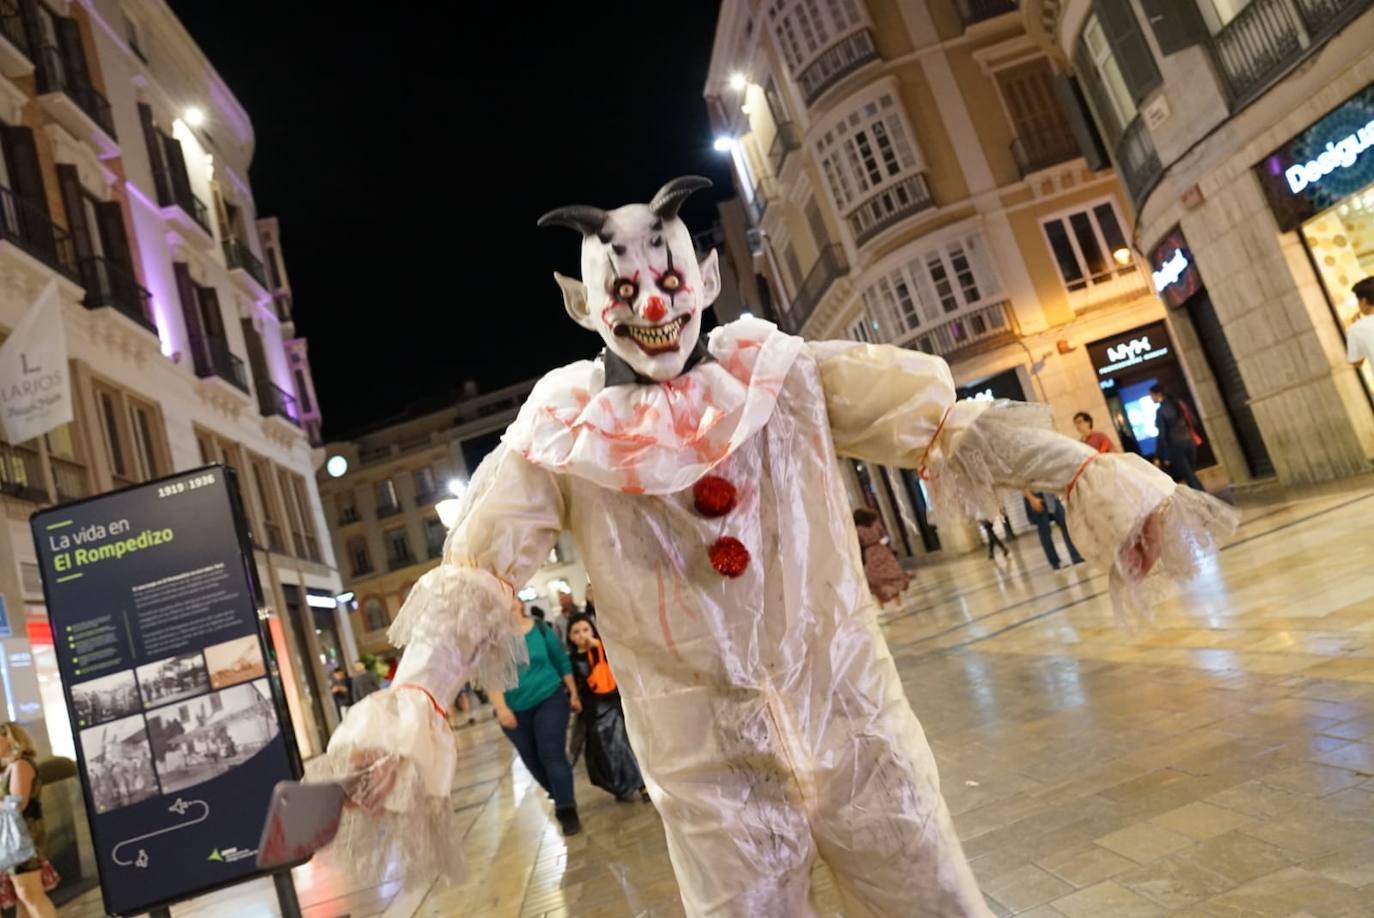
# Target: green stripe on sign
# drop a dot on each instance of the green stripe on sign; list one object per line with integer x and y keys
{"x": 51, "y": 526}
{"x": 70, "y": 577}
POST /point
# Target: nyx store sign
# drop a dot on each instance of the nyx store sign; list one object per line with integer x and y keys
{"x": 1135, "y": 348}
{"x": 1323, "y": 165}
{"x": 1173, "y": 271}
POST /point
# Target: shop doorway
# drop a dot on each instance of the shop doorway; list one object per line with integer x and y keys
{"x": 1340, "y": 242}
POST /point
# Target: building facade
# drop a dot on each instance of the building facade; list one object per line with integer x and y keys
{"x": 124, "y": 181}
{"x": 384, "y": 492}
{"x": 915, "y": 174}
{"x": 1241, "y": 129}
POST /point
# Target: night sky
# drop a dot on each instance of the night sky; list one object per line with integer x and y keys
{"x": 408, "y": 153}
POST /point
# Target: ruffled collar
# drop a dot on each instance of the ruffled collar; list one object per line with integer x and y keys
{"x": 657, "y": 438}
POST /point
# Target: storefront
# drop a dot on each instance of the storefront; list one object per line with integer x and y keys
{"x": 1179, "y": 284}
{"x": 1128, "y": 365}
{"x": 1321, "y": 183}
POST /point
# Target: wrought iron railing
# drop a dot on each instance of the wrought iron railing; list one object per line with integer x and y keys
{"x": 896, "y": 202}
{"x": 172, "y": 194}
{"x": 972, "y": 11}
{"x": 28, "y": 227}
{"x": 1323, "y": 17}
{"x": 112, "y": 285}
{"x": 238, "y": 255}
{"x": 1256, "y": 46}
{"x": 213, "y": 358}
{"x": 1036, "y": 150}
{"x": 787, "y": 139}
{"x": 829, "y": 267}
{"x": 981, "y": 327}
{"x": 273, "y": 401}
{"x": 1140, "y": 166}
{"x": 835, "y": 63}
{"x": 21, "y": 473}
{"x": 55, "y": 75}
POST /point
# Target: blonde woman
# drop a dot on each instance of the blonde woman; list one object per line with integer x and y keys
{"x": 21, "y": 780}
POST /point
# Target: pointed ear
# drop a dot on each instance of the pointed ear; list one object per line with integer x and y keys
{"x": 710, "y": 278}
{"x": 575, "y": 300}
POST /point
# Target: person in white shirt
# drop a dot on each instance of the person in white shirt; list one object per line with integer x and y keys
{"x": 1359, "y": 338}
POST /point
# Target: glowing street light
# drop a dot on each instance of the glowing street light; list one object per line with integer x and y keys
{"x": 195, "y": 116}
{"x": 724, "y": 144}
{"x": 1122, "y": 256}
{"x": 738, "y": 82}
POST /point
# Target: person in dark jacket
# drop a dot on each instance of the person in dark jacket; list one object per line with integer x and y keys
{"x": 1177, "y": 446}
{"x": 1043, "y": 509}
{"x": 364, "y": 681}
{"x": 611, "y": 763}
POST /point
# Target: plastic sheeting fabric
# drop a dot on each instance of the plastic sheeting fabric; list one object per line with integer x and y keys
{"x": 767, "y": 715}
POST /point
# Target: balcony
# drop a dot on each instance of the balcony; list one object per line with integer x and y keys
{"x": 21, "y": 474}
{"x": 273, "y": 402}
{"x": 1139, "y": 164}
{"x": 362, "y": 568}
{"x": 830, "y": 267}
{"x": 982, "y": 329}
{"x": 214, "y": 359}
{"x": 348, "y": 515}
{"x": 765, "y": 191}
{"x": 1324, "y": 17}
{"x": 1256, "y": 46}
{"x": 239, "y": 257}
{"x": 27, "y": 227}
{"x": 1039, "y": 150}
{"x": 110, "y": 285}
{"x": 75, "y": 104}
{"x": 847, "y": 55}
{"x": 786, "y": 140}
{"x": 183, "y": 209}
{"x": 14, "y": 44}
{"x": 385, "y": 510}
{"x": 893, "y": 204}
{"x": 282, "y": 302}
{"x": 975, "y": 11}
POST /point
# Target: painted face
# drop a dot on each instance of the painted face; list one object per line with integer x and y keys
{"x": 581, "y": 635}
{"x": 642, "y": 289}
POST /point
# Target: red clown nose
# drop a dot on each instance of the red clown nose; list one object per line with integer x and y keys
{"x": 654, "y": 310}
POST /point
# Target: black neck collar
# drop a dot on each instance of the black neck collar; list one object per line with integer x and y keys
{"x": 620, "y": 373}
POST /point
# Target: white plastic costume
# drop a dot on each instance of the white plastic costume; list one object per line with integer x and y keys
{"x": 764, "y": 708}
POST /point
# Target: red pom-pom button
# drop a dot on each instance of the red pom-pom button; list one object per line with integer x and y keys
{"x": 729, "y": 556}
{"x": 713, "y": 496}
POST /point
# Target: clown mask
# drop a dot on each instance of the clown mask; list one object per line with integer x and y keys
{"x": 642, "y": 289}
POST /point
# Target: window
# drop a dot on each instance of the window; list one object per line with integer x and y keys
{"x": 68, "y": 469}
{"x": 1116, "y": 93}
{"x": 868, "y": 149}
{"x": 134, "y": 35}
{"x": 805, "y": 28}
{"x": 303, "y": 393}
{"x": 387, "y": 503}
{"x": 132, "y": 434}
{"x": 346, "y": 508}
{"x": 306, "y": 508}
{"x": 817, "y": 224}
{"x": 931, "y": 287}
{"x": 860, "y": 330}
{"x": 434, "y": 537}
{"x": 424, "y": 484}
{"x": 1083, "y": 244}
{"x": 398, "y": 548}
{"x": 794, "y": 268}
{"x": 293, "y": 512}
{"x": 374, "y": 614}
{"x": 271, "y": 512}
{"x": 359, "y": 557}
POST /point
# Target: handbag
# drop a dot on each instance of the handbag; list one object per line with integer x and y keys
{"x": 600, "y": 679}
{"x": 16, "y": 846}
{"x": 51, "y": 880}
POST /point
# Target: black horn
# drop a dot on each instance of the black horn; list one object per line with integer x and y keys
{"x": 670, "y": 197}
{"x": 586, "y": 220}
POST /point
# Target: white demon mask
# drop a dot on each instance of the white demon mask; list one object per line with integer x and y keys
{"x": 642, "y": 289}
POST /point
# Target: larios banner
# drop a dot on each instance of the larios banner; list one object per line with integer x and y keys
{"x": 35, "y": 387}
{"x": 181, "y": 732}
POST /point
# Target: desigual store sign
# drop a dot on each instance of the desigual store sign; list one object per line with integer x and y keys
{"x": 1328, "y": 162}
{"x": 1173, "y": 271}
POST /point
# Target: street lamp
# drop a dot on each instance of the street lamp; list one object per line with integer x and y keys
{"x": 738, "y": 82}
{"x": 724, "y": 144}
{"x": 195, "y": 116}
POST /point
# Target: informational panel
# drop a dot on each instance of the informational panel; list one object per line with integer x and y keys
{"x": 180, "y": 732}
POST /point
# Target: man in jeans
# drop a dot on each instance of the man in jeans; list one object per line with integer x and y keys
{"x": 1177, "y": 448}
{"x": 1042, "y": 510}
